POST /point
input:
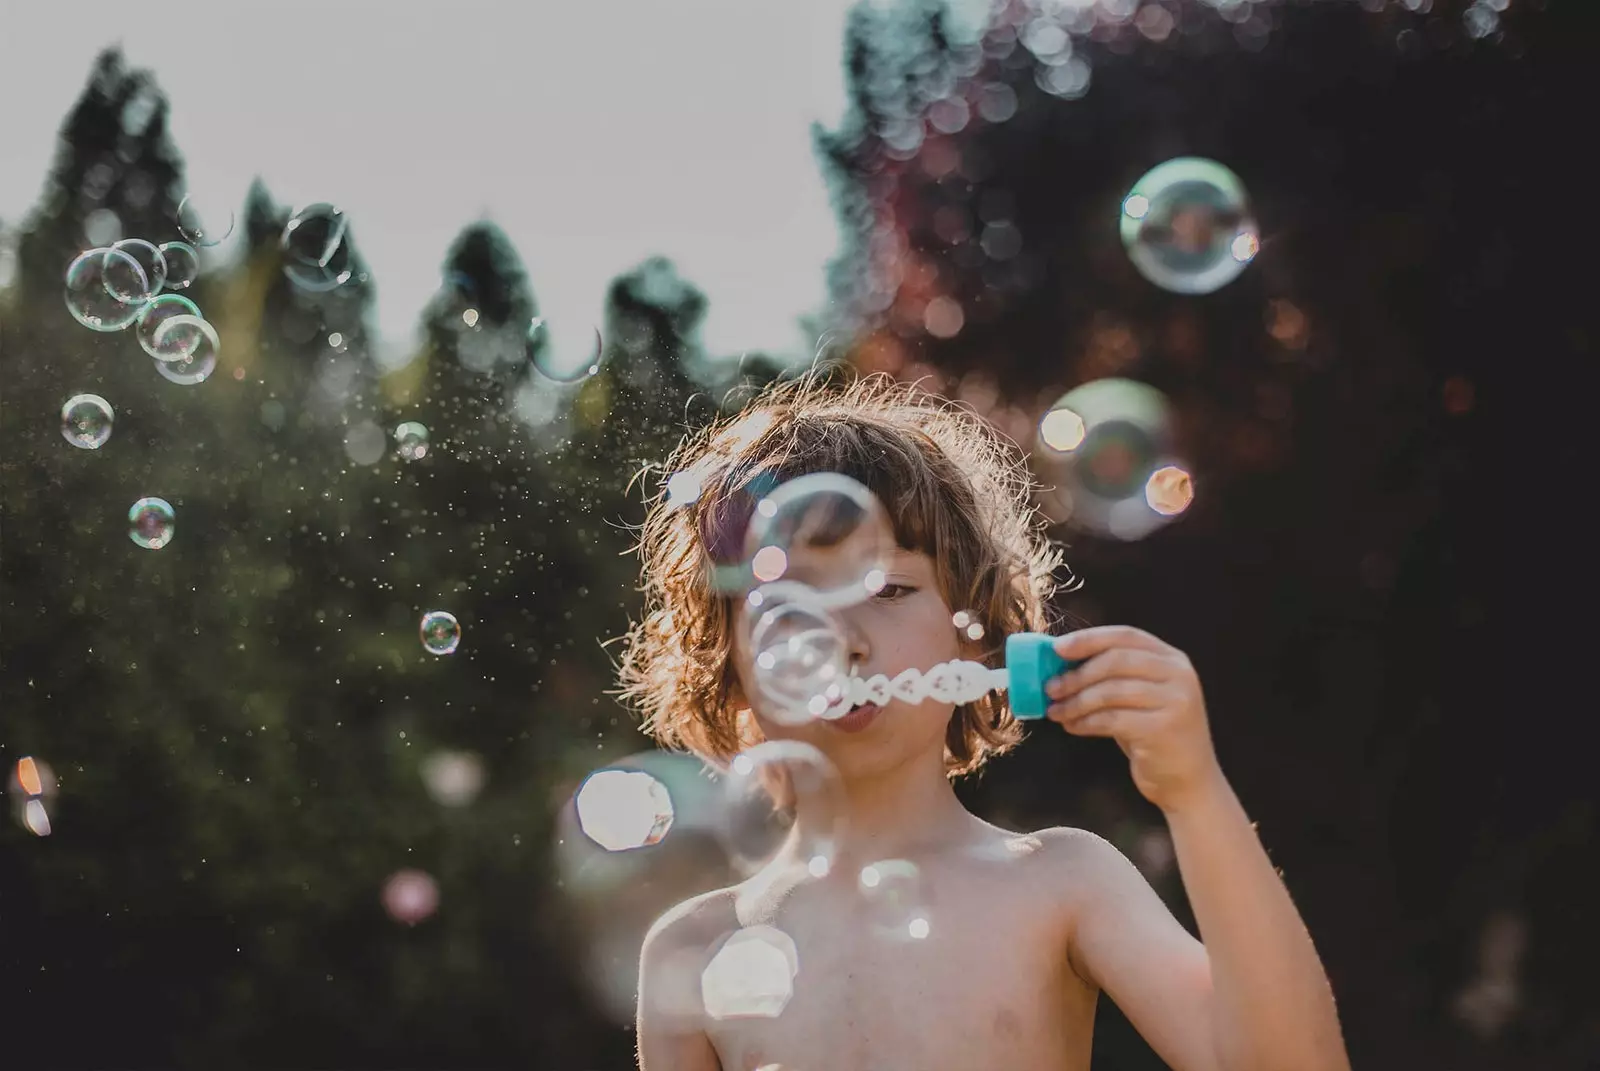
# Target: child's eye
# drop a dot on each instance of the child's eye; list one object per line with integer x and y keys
{"x": 895, "y": 591}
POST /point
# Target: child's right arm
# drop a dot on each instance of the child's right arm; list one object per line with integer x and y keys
{"x": 671, "y": 1022}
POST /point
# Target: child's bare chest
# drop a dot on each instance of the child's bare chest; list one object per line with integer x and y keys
{"x": 958, "y": 980}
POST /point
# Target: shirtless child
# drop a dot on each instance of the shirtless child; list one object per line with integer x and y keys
{"x": 1026, "y": 929}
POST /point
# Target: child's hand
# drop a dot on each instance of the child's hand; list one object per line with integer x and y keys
{"x": 1145, "y": 695}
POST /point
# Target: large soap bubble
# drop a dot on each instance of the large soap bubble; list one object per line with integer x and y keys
{"x": 197, "y": 339}
{"x": 174, "y": 345}
{"x": 91, "y": 280}
{"x": 1187, "y": 226}
{"x": 823, "y": 530}
{"x": 782, "y": 797}
{"x": 86, "y": 421}
{"x": 316, "y": 256}
{"x": 137, "y": 289}
{"x": 800, "y": 661}
{"x": 1107, "y": 450}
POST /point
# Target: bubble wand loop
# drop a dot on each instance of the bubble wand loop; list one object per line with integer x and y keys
{"x": 1031, "y": 661}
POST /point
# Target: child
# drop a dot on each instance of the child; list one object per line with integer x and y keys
{"x": 1024, "y": 930}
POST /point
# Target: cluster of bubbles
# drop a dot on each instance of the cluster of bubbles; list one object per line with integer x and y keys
{"x": 32, "y": 785}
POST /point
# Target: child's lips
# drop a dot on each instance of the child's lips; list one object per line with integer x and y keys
{"x": 858, "y": 719}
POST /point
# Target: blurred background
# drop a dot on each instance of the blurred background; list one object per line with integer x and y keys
{"x": 331, "y": 342}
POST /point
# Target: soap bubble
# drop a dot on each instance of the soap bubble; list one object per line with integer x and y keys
{"x": 128, "y": 287}
{"x": 203, "y": 224}
{"x": 196, "y": 337}
{"x": 623, "y": 809}
{"x": 1187, "y": 226}
{"x": 176, "y": 345}
{"x": 559, "y": 358}
{"x": 441, "y": 632}
{"x": 86, "y": 421}
{"x": 410, "y": 895}
{"x": 88, "y": 293}
{"x": 183, "y": 264}
{"x": 799, "y": 659}
{"x": 1107, "y": 448}
{"x": 782, "y": 793}
{"x": 751, "y": 975}
{"x": 824, "y": 530}
{"x": 896, "y": 902}
{"x": 151, "y": 523}
{"x": 411, "y": 439}
{"x": 316, "y": 256}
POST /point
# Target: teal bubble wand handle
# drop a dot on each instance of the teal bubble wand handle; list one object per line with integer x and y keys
{"x": 1031, "y": 661}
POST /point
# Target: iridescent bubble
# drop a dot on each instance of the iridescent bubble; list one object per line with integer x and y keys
{"x": 86, "y": 421}
{"x": 88, "y": 296}
{"x": 562, "y": 358}
{"x": 800, "y": 661}
{"x": 411, "y": 438}
{"x": 1187, "y": 226}
{"x": 175, "y": 345}
{"x": 441, "y": 632}
{"x": 410, "y": 895}
{"x": 151, "y": 523}
{"x": 183, "y": 264}
{"x": 130, "y": 288}
{"x": 824, "y": 530}
{"x": 1103, "y": 446}
{"x": 782, "y": 797}
{"x": 315, "y": 255}
{"x": 896, "y": 901}
{"x": 621, "y": 810}
{"x": 203, "y": 224}
{"x": 751, "y": 975}
{"x": 199, "y": 338}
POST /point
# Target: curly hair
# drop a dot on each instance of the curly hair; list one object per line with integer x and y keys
{"x": 953, "y": 489}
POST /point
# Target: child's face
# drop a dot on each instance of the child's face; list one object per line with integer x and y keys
{"x": 907, "y": 624}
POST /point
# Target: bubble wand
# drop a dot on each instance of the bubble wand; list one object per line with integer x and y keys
{"x": 1031, "y": 661}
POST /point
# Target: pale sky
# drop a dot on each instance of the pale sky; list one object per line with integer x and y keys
{"x": 595, "y": 133}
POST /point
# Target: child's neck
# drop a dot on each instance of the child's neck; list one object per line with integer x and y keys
{"x": 898, "y": 813}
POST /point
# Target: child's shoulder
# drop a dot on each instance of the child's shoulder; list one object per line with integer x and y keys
{"x": 695, "y": 921}
{"x": 1057, "y": 846}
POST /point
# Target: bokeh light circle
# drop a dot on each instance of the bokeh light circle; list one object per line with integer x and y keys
{"x": 411, "y": 440}
{"x": 1187, "y": 226}
{"x": 621, "y": 810}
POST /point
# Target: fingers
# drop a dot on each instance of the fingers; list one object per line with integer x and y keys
{"x": 1088, "y": 642}
{"x": 1120, "y": 662}
{"x": 1107, "y": 721}
{"x": 1124, "y": 692}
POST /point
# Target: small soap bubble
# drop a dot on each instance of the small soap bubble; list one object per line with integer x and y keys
{"x": 88, "y": 295}
{"x": 441, "y": 632}
{"x": 203, "y": 224}
{"x": 183, "y": 264}
{"x": 896, "y": 900}
{"x": 1187, "y": 226}
{"x": 563, "y": 359}
{"x": 183, "y": 332}
{"x": 824, "y": 530}
{"x": 1106, "y": 448}
{"x": 316, "y": 256}
{"x": 621, "y": 810}
{"x": 86, "y": 421}
{"x": 781, "y": 796}
{"x": 751, "y": 975}
{"x": 411, "y": 439}
{"x": 130, "y": 288}
{"x": 176, "y": 345}
{"x": 800, "y": 661}
{"x": 410, "y": 895}
{"x": 151, "y": 523}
